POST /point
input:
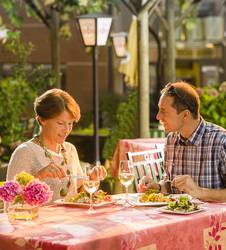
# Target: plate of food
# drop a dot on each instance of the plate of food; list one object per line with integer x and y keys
{"x": 183, "y": 205}
{"x": 151, "y": 198}
{"x": 100, "y": 199}
{"x": 193, "y": 200}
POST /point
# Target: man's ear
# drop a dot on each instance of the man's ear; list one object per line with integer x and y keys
{"x": 187, "y": 114}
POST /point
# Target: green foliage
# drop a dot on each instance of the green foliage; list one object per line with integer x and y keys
{"x": 19, "y": 50}
{"x": 17, "y": 93}
{"x": 108, "y": 107}
{"x": 14, "y": 95}
{"x": 107, "y": 111}
{"x": 67, "y": 9}
{"x": 38, "y": 76}
{"x": 187, "y": 18}
{"x": 126, "y": 124}
{"x": 213, "y": 103}
{"x": 12, "y": 12}
{"x": 89, "y": 131}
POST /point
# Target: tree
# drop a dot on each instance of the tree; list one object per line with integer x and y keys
{"x": 172, "y": 18}
{"x": 177, "y": 13}
{"x": 143, "y": 9}
{"x": 56, "y": 16}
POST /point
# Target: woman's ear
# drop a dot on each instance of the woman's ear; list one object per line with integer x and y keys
{"x": 39, "y": 120}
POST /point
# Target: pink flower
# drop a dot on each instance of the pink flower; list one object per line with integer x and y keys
{"x": 37, "y": 193}
{"x": 222, "y": 87}
{"x": 9, "y": 191}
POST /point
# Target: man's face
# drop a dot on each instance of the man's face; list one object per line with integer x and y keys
{"x": 168, "y": 116}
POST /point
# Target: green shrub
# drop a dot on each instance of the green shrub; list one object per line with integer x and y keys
{"x": 213, "y": 103}
{"x": 109, "y": 103}
{"x": 125, "y": 126}
{"x": 17, "y": 93}
{"x": 107, "y": 112}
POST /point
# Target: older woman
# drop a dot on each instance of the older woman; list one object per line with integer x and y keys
{"x": 47, "y": 156}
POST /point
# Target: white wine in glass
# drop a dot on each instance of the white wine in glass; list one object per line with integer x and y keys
{"x": 126, "y": 176}
{"x": 91, "y": 185}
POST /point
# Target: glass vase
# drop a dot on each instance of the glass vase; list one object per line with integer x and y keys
{"x": 21, "y": 211}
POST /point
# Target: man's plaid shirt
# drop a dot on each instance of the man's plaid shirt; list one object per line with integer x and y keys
{"x": 202, "y": 156}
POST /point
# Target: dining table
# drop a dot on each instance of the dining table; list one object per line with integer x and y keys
{"x": 115, "y": 227}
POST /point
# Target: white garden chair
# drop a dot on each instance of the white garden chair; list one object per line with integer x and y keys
{"x": 147, "y": 163}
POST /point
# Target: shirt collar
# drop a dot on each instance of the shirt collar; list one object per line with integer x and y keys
{"x": 196, "y": 135}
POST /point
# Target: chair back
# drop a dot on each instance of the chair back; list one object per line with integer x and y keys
{"x": 147, "y": 163}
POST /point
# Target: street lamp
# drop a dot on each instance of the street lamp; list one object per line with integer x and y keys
{"x": 94, "y": 30}
{"x": 119, "y": 41}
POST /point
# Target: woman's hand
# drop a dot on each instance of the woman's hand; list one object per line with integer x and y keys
{"x": 98, "y": 173}
{"x": 146, "y": 183}
{"x": 51, "y": 171}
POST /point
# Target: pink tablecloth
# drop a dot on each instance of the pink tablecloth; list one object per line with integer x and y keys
{"x": 61, "y": 228}
{"x": 132, "y": 145}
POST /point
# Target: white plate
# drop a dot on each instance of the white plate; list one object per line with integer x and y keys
{"x": 134, "y": 200}
{"x": 83, "y": 205}
{"x": 147, "y": 204}
{"x": 164, "y": 210}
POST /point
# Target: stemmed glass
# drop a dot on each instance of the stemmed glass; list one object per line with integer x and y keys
{"x": 126, "y": 177}
{"x": 91, "y": 183}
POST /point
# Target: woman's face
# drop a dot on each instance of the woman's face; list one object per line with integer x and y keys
{"x": 58, "y": 128}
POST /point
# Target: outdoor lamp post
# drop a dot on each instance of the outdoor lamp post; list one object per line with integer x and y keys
{"x": 94, "y": 30}
{"x": 119, "y": 41}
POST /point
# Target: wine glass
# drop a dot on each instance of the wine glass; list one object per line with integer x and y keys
{"x": 126, "y": 176}
{"x": 91, "y": 183}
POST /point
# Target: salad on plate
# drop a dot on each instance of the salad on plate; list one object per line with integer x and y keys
{"x": 183, "y": 205}
{"x": 82, "y": 199}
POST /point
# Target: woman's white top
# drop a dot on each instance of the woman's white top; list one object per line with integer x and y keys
{"x": 30, "y": 157}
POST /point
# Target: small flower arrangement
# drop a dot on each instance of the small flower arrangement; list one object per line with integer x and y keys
{"x": 25, "y": 189}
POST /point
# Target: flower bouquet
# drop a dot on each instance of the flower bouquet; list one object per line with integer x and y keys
{"x": 24, "y": 194}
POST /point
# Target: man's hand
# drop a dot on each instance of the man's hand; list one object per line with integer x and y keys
{"x": 186, "y": 184}
{"x": 146, "y": 183}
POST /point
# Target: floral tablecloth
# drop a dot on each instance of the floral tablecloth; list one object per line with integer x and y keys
{"x": 133, "y": 145}
{"x": 115, "y": 227}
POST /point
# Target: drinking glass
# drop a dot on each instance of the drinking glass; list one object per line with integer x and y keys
{"x": 126, "y": 177}
{"x": 91, "y": 184}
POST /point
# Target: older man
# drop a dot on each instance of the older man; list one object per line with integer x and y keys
{"x": 195, "y": 150}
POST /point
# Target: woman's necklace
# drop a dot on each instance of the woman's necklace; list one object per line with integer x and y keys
{"x": 37, "y": 139}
